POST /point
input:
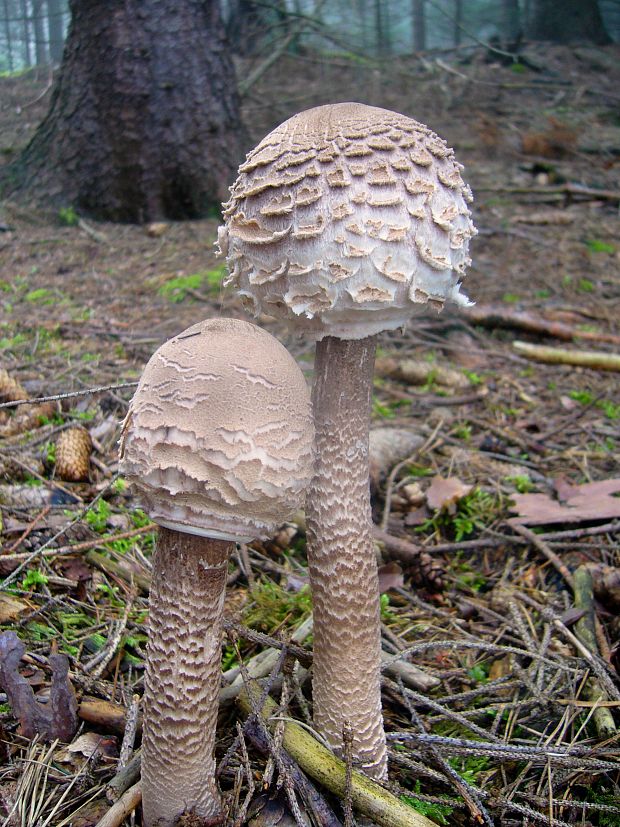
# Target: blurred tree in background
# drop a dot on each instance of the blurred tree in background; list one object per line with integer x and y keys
{"x": 144, "y": 118}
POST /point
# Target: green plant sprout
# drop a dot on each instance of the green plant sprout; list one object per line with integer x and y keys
{"x": 473, "y": 512}
{"x": 521, "y": 482}
{"x": 271, "y": 606}
{"x": 97, "y": 516}
{"x": 439, "y": 813}
{"x": 33, "y": 579}
{"x": 594, "y": 245}
{"x": 177, "y": 289}
{"x": 41, "y": 296}
{"x": 586, "y": 286}
{"x": 68, "y": 217}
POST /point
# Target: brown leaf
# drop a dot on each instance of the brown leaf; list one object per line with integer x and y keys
{"x": 582, "y": 503}
{"x": 11, "y": 608}
{"x": 444, "y": 492}
{"x": 606, "y": 583}
{"x": 89, "y": 745}
{"x": 390, "y": 577}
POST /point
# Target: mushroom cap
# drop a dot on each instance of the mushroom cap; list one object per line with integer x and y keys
{"x": 346, "y": 220}
{"x": 218, "y": 437}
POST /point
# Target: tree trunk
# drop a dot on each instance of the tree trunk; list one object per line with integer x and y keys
{"x": 25, "y": 33}
{"x": 8, "y": 36}
{"x": 458, "y": 22}
{"x": 55, "y": 28}
{"x": 382, "y": 29}
{"x": 568, "y": 22}
{"x": 40, "y": 40}
{"x": 245, "y": 27}
{"x": 144, "y": 119}
{"x": 510, "y": 20}
{"x": 419, "y": 26}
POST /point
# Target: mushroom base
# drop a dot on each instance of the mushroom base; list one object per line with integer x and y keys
{"x": 182, "y": 679}
{"x": 341, "y": 556}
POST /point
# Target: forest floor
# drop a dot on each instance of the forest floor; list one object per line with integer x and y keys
{"x": 509, "y": 604}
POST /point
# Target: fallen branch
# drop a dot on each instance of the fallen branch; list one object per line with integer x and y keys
{"x": 546, "y": 551}
{"x": 596, "y": 360}
{"x": 369, "y": 798}
{"x": 125, "y": 805}
{"x": 584, "y": 629}
{"x": 493, "y": 315}
{"x": 586, "y": 193}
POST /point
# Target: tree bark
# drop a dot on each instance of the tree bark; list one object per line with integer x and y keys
{"x": 245, "y": 27}
{"x": 458, "y": 22}
{"x": 144, "y": 119}
{"x": 55, "y": 28}
{"x": 25, "y": 33}
{"x": 510, "y": 20}
{"x": 419, "y": 26}
{"x": 7, "y": 35}
{"x": 568, "y": 22}
{"x": 40, "y": 41}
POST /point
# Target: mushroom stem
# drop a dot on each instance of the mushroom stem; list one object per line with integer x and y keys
{"x": 183, "y": 678}
{"x": 341, "y": 556}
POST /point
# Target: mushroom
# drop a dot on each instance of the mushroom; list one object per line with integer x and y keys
{"x": 345, "y": 221}
{"x": 217, "y": 444}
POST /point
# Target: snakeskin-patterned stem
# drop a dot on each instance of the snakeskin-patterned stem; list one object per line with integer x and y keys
{"x": 341, "y": 556}
{"x": 183, "y": 678}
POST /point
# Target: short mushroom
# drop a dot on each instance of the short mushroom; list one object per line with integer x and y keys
{"x": 217, "y": 444}
{"x": 345, "y": 221}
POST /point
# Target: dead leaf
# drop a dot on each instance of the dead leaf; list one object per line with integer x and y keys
{"x": 388, "y": 447}
{"x": 444, "y": 492}
{"x": 606, "y": 583}
{"x": 390, "y": 577}
{"x": 156, "y": 229}
{"x": 11, "y": 608}
{"x": 89, "y": 745}
{"x": 582, "y": 503}
{"x": 416, "y": 517}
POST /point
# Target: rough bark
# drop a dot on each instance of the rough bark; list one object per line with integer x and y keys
{"x": 56, "y": 37}
{"x": 341, "y": 556}
{"x": 183, "y": 678}
{"x": 568, "y": 22}
{"x": 245, "y": 27}
{"x": 510, "y": 20}
{"x": 144, "y": 120}
{"x": 40, "y": 41}
{"x": 419, "y": 25}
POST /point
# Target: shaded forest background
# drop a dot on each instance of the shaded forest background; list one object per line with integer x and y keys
{"x": 32, "y": 31}
{"x": 488, "y": 608}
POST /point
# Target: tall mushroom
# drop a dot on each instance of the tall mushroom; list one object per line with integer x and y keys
{"x": 345, "y": 221}
{"x": 217, "y": 444}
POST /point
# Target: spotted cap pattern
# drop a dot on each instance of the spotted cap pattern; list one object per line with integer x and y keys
{"x": 347, "y": 219}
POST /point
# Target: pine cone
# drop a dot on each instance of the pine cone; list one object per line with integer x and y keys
{"x": 73, "y": 449}
{"x": 427, "y": 572}
{"x": 10, "y": 389}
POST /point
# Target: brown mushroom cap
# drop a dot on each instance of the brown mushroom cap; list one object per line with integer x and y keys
{"x": 218, "y": 437}
{"x": 347, "y": 219}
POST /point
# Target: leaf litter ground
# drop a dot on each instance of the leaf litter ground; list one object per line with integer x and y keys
{"x": 508, "y": 604}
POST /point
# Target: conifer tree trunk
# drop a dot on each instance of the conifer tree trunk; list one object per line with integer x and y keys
{"x": 54, "y": 23}
{"x": 570, "y": 21}
{"x": 144, "y": 118}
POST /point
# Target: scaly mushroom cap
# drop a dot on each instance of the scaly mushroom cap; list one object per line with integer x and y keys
{"x": 218, "y": 437}
{"x": 348, "y": 219}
